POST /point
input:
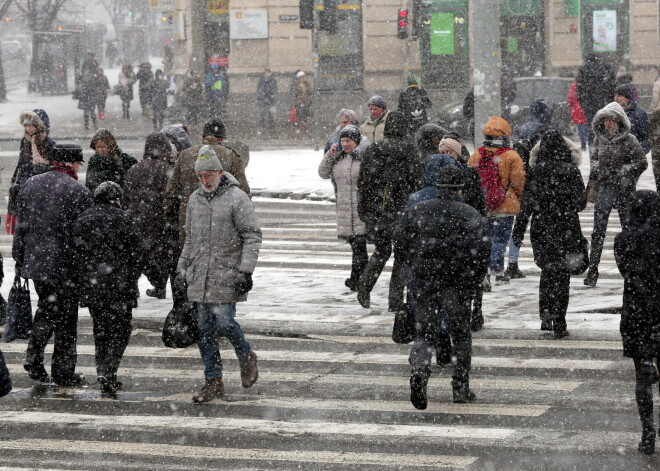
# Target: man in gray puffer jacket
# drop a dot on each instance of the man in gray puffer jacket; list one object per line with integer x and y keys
{"x": 222, "y": 245}
{"x": 616, "y": 164}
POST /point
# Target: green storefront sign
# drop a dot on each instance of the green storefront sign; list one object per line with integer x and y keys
{"x": 442, "y": 34}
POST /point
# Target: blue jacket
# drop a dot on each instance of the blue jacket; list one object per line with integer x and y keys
{"x": 639, "y": 124}
{"x": 431, "y": 171}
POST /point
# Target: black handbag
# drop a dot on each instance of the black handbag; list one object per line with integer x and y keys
{"x": 19, "y": 311}
{"x": 403, "y": 331}
{"x": 180, "y": 329}
{"x": 5, "y": 379}
{"x": 577, "y": 262}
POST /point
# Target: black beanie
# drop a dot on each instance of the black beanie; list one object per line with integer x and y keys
{"x": 215, "y": 127}
{"x": 107, "y": 192}
{"x": 68, "y": 153}
{"x": 624, "y": 90}
{"x": 450, "y": 176}
{"x": 351, "y": 132}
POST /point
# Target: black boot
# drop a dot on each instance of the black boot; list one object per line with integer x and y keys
{"x": 514, "y": 272}
{"x": 418, "y": 381}
{"x": 351, "y": 284}
{"x": 477, "y": 322}
{"x": 462, "y": 393}
{"x": 592, "y": 277}
{"x": 594, "y": 260}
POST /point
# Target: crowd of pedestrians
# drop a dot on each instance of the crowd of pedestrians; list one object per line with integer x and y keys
{"x": 405, "y": 185}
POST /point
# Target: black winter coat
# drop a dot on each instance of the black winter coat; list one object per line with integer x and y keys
{"x": 5, "y": 378}
{"x": 48, "y": 206}
{"x": 413, "y": 103}
{"x": 595, "y": 85}
{"x": 26, "y": 169}
{"x": 444, "y": 242}
{"x": 108, "y": 168}
{"x": 159, "y": 89}
{"x": 554, "y": 194}
{"x": 390, "y": 172}
{"x": 109, "y": 256}
{"x": 637, "y": 253}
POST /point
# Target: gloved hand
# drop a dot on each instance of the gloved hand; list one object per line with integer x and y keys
{"x": 243, "y": 283}
{"x": 180, "y": 282}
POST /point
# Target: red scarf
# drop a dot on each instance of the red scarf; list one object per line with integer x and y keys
{"x": 64, "y": 167}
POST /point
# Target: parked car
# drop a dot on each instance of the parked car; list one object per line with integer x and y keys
{"x": 552, "y": 89}
{"x": 13, "y": 50}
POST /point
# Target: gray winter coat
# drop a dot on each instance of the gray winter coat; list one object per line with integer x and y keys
{"x": 223, "y": 238}
{"x": 345, "y": 169}
{"x": 617, "y": 160}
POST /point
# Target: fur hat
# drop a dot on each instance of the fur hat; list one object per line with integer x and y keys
{"x": 37, "y": 118}
{"x": 68, "y": 153}
{"x": 207, "y": 160}
{"x": 215, "y": 127}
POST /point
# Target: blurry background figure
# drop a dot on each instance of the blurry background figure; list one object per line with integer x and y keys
{"x": 90, "y": 64}
{"x": 627, "y": 79}
{"x": 102, "y": 90}
{"x": 144, "y": 77}
{"x": 577, "y": 113}
{"x": 413, "y": 103}
{"x": 655, "y": 128}
{"x": 168, "y": 61}
{"x": 87, "y": 94}
{"x": 159, "y": 88}
{"x": 192, "y": 97}
{"x": 595, "y": 89}
{"x": 217, "y": 90}
{"x": 639, "y": 120}
{"x": 266, "y": 99}
{"x": 507, "y": 91}
{"x": 302, "y": 100}
{"x": 126, "y": 81}
{"x": 111, "y": 53}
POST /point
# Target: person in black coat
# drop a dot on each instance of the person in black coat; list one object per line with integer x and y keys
{"x": 413, "y": 103}
{"x": 596, "y": 82}
{"x": 639, "y": 119}
{"x": 144, "y": 76}
{"x": 109, "y": 259}
{"x": 637, "y": 253}
{"x": 266, "y": 99}
{"x": 391, "y": 170}
{"x": 5, "y": 378}
{"x": 445, "y": 243}
{"x": 48, "y": 206}
{"x": 159, "y": 87}
{"x": 109, "y": 162}
{"x": 554, "y": 195}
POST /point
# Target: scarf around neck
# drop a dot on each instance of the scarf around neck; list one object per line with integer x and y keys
{"x": 65, "y": 168}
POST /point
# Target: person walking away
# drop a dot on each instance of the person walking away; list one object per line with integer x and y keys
{"x": 595, "y": 89}
{"x": 616, "y": 164}
{"x": 90, "y": 64}
{"x": 427, "y": 140}
{"x": 343, "y": 166}
{"x": 109, "y": 162}
{"x": 144, "y": 194}
{"x": 390, "y": 172}
{"x": 502, "y": 175}
{"x": 639, "y": 120}
{"x": 637, "y": 254}
{"x": 529, "y": 135}
{"x": 43, "y": 248}
{"x": 216, "y": 85}
{"x": 554, "y": 196}
{"x": 192, "y": 94}
{"x": 508, "y": 90}
{"x": 35, "y": 157}
{"x": 222, "y": 227}
{"x": 446, "y": 245}
{"x": 266, "y": 99}
{"x": 472, "y": 194}
{"x": 88, "y": 97}
{"x": 102, "y": 88}
{"x": 126, "y": 80}
{"x": 414, "y": 103}
{"x": 303, "y": 95}
{"x": 577, "y": 113}
{"x": 109, "y": 256}
{"x": 159, "y": 87}
{"x": 374, "y": 126}
{"x": 144, "y": 77}
{"x": 655, "y": 128}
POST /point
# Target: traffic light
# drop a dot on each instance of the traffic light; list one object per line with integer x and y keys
{"x": 328, "y": 17}
{"x": 306, "y": 14}
{"x": 402, "y": 24}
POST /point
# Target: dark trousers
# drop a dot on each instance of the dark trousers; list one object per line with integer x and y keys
{"x": 112, "y": 330}
{"x": 89, "y": 113}
{"x": 655, "y": 147}
{"x": 644, "y": 395}
{"x": 57, "y": 315}
{"x": 553, "y": 296}
{"x": 590, "y": 131}
{"x": 360, "y": 257}
{"x": 158, "y": 119}
{"x": 607, "y": 196}
{"x": 126, "y": 108}
{"x": 428, "y": 304}
{"x": 377, "y": 261}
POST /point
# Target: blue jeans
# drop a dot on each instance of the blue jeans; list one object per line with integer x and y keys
{"x": 514, "y": 251}
{"x": 500, "y": 232}
{"x": 214, "y": 319}
{"x": 583, "y": 133}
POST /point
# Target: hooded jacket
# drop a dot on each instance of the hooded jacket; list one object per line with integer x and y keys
{"x": 427, "y": 139}
{"x": 595, "y": 84}
{"x": 554, "y": 195}
{"x": 639, "y": 124}
{"x": 617, "y": 159}
{"x": 637, "y": 253}
{"x": 345, "y": 170}
{"x": 223, "y": 238}
{"x": 511, "y": 169}
{"x": 390, "y": 172}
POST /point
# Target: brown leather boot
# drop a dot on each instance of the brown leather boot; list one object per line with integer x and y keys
{"x": 249, "y": 372}
{"x": 211, "y": 390}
